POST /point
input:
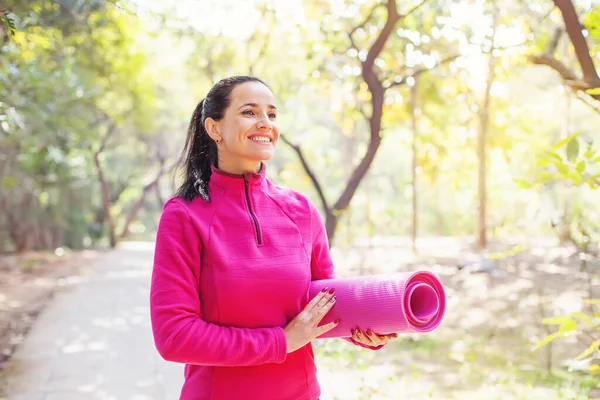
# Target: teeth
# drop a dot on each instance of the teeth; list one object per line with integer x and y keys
{"x": 261, "y": 139}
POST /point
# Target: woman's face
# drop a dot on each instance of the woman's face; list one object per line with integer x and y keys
{"x": 248, "y": 132}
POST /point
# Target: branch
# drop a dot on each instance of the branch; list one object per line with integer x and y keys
{"x": 420, "y": 71}
{"x": 554, "y": 42}
{"x": 308, "y": 171}
{"x": 575, "y": 32}
{"x": 584, "y": 98}
{"x": 358, "y": 173}
{"x": 105, "y": 138}
{"x": 140, "y": 202}
{"x": 569, "y": 77}
{"x": 412, "y": 10}
{"x": 377, "y": 47}
{"x": 362, "y": 25}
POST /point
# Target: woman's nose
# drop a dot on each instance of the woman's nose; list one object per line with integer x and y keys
{"x": 264, "y": 123}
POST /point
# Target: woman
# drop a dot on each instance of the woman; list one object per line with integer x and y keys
{"x": 234, "y": 258}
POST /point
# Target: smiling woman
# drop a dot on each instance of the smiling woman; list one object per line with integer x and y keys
{"x": 235, "y": 257}
{"x": 248, "y": 132}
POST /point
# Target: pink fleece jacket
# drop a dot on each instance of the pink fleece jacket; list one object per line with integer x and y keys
{"x": 228, "y": 276}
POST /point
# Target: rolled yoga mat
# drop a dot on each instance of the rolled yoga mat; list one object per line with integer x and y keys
{"x": 392, "y": 303}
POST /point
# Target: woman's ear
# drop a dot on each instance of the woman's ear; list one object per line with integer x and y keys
{"x": 212, "y": 128}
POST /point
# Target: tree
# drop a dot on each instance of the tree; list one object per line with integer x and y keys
{"x": 65, "y": 112}
{"x": 377, "y": 84}
{"x": 590, "y": 81}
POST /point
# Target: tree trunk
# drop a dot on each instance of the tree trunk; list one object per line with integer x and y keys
{"x": 574, "y": 30}
{"x": 159, "y": 197}
{"x": 138, "y": 205}
{"x": 414, "y": 93}
{"x": 136, "y": 209}
{"x": 106, "y": 203}
{"x": 484, "y": 114}
{"x": 331, "y": 222}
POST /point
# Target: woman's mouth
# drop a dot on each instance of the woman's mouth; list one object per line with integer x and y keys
{"x": 261, "y": 139}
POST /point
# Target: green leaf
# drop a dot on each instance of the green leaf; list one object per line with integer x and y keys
{"x": 595, "y": 368}
{"x": 564, "y": 141}
{"x": 580, "y": 166}
{"x": 588, "y": 154}
{"x": 591, "y": 301}
{"x": 593, "y": 347}
{"x": 572, "y": 150}
{"x": 575, "y": 177}
{"x": 522, "y": 183}
{"x": 553, "y": 155}
{"x": 593, "y": 91}
{"x": 555, "y": 320}
{"x": 595, "y": 160}
{"x": 544, "y": 162}
{"x": 581, "y": 316}
{"x": 547, "y": 340}
{"x": 9, "y": 24}
{"x": 568, "y": 326}
{"x": 547, "y": 176}
{"x": 562, "y": 169}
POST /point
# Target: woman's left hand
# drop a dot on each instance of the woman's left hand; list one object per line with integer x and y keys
{"x": 370, "y": 338}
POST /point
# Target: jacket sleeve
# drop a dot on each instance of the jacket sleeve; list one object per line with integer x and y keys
{"x": 321, "y": 264}
{"x": 180, "y": 334}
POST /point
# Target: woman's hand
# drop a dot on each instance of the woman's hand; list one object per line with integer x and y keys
{"x": 303, "y": 328}
{"x": 370, "y": 338}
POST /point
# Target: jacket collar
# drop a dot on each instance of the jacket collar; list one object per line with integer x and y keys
{"x": 226, "y": 180}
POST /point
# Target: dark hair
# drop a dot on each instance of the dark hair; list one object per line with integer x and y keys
{"x": 200, "y": 150}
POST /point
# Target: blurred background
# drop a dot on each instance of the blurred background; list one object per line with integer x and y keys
{"x": 459, "y": 137}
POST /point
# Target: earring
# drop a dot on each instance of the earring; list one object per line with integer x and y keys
{"x": 218, "y": 140}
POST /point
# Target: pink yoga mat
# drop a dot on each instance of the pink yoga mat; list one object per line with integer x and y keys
{"x": 394, "y": 303}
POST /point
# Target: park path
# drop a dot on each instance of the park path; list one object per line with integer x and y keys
{"x": 93, "y": 340}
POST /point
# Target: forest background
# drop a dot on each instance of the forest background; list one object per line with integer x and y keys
{"x": 460, "y": 136}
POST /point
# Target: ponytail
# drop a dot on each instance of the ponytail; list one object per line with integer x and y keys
{"x": 199, "y": 154}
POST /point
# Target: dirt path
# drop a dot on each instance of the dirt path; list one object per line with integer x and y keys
{"x": 93, "y": 340}
{"x": 27, "y": 284}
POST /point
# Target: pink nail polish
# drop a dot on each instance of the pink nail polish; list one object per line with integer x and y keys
{"x": 324, "y": 289}
{"x": 331, "y": 290}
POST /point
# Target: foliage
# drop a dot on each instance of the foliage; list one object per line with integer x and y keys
{"x": 575, "y": 162}
{"x": 67, "y": 77}
{"x": 8, "y": 23}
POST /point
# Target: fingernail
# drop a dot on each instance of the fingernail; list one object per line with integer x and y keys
{"x": 337, "y": 321}
{"x": 324, "y": 289}
{"x": 331, "y": 290}
{"x": 370, "y": 333}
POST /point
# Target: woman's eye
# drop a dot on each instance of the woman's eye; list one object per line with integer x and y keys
{"x": 248, "y": 112}
{"x": 273, "y": 115}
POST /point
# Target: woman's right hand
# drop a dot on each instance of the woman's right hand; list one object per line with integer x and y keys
{"x": 303, "y": 328}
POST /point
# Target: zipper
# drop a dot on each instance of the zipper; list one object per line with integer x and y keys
{"x": 258, "y": 237}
